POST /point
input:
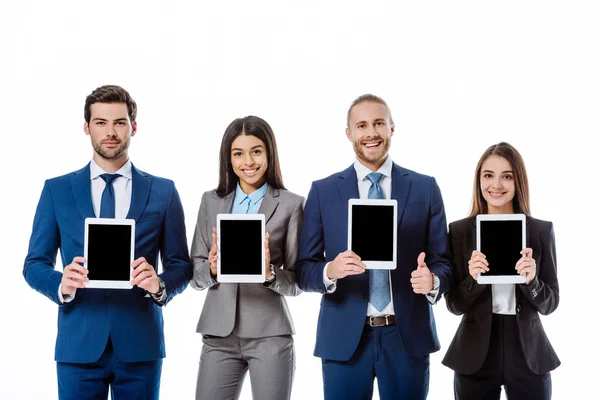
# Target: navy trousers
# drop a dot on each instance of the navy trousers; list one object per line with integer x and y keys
{"x": 125, "y": 380}
{"x": 380, "y": 354}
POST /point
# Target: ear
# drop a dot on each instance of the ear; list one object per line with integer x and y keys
{"x": 348, "y": 134}
{"x": 392, "y": 129}
{"x": 86, "y": 128}
{"x": 133, "y": 128}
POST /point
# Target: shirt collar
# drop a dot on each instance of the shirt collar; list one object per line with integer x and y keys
{"x": 362, "y": 171}
{"x": 254, "y": 197}
{"x": 96, "y": 171}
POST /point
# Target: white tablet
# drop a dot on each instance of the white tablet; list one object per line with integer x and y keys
{"x": 109, "y": 251}
{"x": 501, "y": 237}
{"x": 241, "y": 249}
{"x": 373, "y": 232}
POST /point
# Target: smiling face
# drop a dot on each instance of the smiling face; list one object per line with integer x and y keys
{"x": 110, "y": 130}
{"x": 370, "y": 130}
{"x": 497, "y": 182}
{"x": 249, "y": 162}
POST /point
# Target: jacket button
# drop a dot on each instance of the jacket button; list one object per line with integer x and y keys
{"x": 320, "y": 290}
{"x": 364, "y": 298}
{"x": 518, "y": 308}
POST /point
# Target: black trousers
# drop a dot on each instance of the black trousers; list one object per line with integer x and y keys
{"x": 504, "y": 365}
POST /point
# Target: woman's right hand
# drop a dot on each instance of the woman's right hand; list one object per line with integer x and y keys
{"x": 212, "y": 255}
{"x": 477, "y": 264}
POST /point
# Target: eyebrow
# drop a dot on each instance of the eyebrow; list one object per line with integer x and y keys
{"x": 503, "y": 172}
{"x": 252, "y": 148}
{"x": 375, "y": 120}
{"x": 104, "y": 119}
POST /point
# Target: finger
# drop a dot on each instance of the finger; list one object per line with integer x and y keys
{"x": 141, "y": 277}
{"x": 480, "y": 265}
{"x": 421, "y": 260}
{"x": 76, "y": 268}
{"x": 349, "y": 254}
{"x": 75, "y": 277}
{"x": 527, "y": 252}
{"x": 141, "y": 268}
{"x": 346, "y": 273}
{"x": 78, "y": 260}
{"x": 146, "y": 283}
{"x": 138, "y": 262}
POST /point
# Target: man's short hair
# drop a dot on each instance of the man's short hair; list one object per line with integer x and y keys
{"x": 368, "y": 98}
{"x": 110, "y": 94}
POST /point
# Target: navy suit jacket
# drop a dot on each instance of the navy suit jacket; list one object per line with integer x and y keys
{"x": 421, "y": 227}
{"x": 131, "y": 318}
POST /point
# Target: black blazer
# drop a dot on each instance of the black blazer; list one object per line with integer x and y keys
{"x": 469, "y": 348}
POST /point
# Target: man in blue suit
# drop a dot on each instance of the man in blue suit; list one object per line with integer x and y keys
{"x": 109, "y": 338}
{"x": 375, "y": 323}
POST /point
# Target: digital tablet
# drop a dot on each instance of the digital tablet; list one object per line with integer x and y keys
{"x": 373, "y": 231}
{"x": 241, "y": 248}
{"x": 109, "y": 251}
{"x": 501, "y": 237}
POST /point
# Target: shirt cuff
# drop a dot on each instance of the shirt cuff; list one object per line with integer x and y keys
{"x": 432, "y": 296}
{"x": 160, "y": 300}
{"x": 330, "y": 284}
{"x": 66, "y": 298}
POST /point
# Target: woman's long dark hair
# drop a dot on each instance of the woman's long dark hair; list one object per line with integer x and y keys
{"x": 521, "y": 199}
{"x": 250, "y": 126}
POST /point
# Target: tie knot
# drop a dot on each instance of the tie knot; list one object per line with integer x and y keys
{"x": 374, "y": 177}
{"x": 109, "y": 178}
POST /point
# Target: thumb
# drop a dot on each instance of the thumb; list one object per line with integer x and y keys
{"x": 421, "y": 260}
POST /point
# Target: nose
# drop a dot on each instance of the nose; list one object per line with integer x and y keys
{"x": 248, "y": 159}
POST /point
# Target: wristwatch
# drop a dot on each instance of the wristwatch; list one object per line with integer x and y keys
{"x": 436, "y": 282}
{"x": 272, "y": 277}
{"x": 161, "y": 289}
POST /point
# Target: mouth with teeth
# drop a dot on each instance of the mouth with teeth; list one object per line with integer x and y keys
{"x": 372, "y": 145}
{"x": 496, "y": 195}
{"x": 250, "y": 172}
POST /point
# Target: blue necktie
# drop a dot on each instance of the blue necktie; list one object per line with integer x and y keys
{"x": 107, "y": 203}
{"x": 249, "y": 203}
{"x": 379, "y": 284}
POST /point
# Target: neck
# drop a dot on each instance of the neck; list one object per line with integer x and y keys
{"x": 110, "y": 166}
{"x": 373, "y": 166}
{"x": 505, "y": 209}
{"x": 248, "y": 188}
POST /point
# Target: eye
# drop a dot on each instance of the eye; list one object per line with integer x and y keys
{"x": 487, "y": 175}
{"x": 380, "y": 123}
{"x": 237, "y": 154}
{"x": 121, "y": 123}
{"x": 99, "y": 123}
{"x": 508, "y": 177}
{"x": 361, "y": 126}
{"x": 257, "y": 152}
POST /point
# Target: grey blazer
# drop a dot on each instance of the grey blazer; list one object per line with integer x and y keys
{"x": 250, "y": 310}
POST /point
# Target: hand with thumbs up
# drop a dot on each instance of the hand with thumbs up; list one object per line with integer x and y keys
{"x": 421, "y": 278}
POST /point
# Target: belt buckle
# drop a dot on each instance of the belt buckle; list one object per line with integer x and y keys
{"x": 378, "y": 325}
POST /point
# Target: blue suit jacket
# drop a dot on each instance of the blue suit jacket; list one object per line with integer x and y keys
{"x": 421, "y": 227}
{"x": 132, "y": 319}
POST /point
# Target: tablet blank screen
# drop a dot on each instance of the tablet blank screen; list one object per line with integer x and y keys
{"x": 501, "y": 242}
{"x": 373, "y": 232}
{"x": 109, "y": 252}
{"x": 241, "y": 247}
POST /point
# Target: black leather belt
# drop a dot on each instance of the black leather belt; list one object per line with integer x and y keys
{"x": 381, "y": 320}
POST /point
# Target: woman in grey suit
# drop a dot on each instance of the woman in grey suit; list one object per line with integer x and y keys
{"x": 500, "y": 340}
{"x": 247, "y": 326}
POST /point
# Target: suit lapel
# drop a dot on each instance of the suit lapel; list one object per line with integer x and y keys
{"x": 82, "y": 191}
{"x": 348, "y": 186}
{"x": 400, "y": 188}
{"x": 140, "y": 191}
{"x": 269, "y": 203}
{"x": 225, "y": 204}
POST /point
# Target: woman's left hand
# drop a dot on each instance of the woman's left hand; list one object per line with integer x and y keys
{"x": 267, "y": 256}
{"x": 526, "y": 265}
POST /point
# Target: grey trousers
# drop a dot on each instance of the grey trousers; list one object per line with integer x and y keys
{"x": 225, "y": 360}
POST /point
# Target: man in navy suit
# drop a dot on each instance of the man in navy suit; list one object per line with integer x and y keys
{"x": 375, "y": 323}
{"x": 109, "y": 339}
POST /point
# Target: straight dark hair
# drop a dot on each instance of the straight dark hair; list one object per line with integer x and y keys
{"x": 521, "y": 199}
{"x": 250, "y": 126}
{"x": 109, "y": 94}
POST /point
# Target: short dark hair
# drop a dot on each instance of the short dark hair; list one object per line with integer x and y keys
{"x": 521, "y": 199}
{"x": 250, "y": 126}
{"x": 109, "y": 94}
{"x": 368, "y": 98}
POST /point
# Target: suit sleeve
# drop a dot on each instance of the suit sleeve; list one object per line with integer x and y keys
{"x": 201, "y": 244}
{"x": 542, "y": 292}
{"x": 177, "y": 269}
{"x": 465, "y": 290}
{"x": 438, "y": 254}
{"x": 39, "y": 265}
{"x": 286, "y": 282}
{"x": 311, "y": 258}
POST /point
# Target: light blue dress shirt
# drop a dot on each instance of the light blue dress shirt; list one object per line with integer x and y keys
{"x": 248, "y": 203}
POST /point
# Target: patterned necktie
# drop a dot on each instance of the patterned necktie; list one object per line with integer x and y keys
{"x": 107, "y": 203}
{"x": 379, "y": 284}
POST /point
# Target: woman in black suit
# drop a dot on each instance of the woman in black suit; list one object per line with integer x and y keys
{"x": 500, "y": 340}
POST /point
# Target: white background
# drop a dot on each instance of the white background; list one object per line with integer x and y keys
{"x": 458, "y": 76}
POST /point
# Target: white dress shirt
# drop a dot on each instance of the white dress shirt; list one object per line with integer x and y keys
{"x": 503, "y": 299}
{"x": 122, "y": 191}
